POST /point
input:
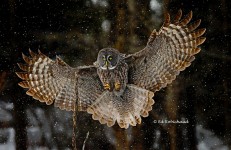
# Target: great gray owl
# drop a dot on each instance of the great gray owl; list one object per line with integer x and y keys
{"x": 117, "y": 87}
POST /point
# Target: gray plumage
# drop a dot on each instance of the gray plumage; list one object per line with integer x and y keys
{"x": 118, "y": 87}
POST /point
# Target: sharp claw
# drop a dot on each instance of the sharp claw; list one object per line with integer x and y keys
{"x": 107, "y": 86}
{"x": 117, "y": 86}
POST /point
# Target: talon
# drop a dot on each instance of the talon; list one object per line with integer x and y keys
{"x": 107, "y": 86}
{"x": 117, "y": 86}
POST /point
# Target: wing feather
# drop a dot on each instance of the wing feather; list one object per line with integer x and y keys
{"x": 177, "y": 17}
{"x": 56, "y": 82}
{"x": 168, "y": 51}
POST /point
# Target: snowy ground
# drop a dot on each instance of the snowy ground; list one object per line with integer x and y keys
{"x": 207, "y": 140}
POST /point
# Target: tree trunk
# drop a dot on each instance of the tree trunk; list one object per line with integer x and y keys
{"x": 20, "y": 121}
{"x": 122, "y": 142}
{"x": 171, "y": 109}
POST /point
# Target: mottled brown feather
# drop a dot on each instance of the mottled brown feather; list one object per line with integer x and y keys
{"x": 26, "y": 59}
{"x": 186, "y": 19}
{"x": 193, "y": 25}
{"x": 170, "y": 51}
{"x": 177, "y": 17}
{"x": 54, "y": 81}
{"x": 32, "y": 53}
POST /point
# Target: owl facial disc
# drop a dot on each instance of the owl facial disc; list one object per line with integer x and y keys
{"x": 108, "y": 58}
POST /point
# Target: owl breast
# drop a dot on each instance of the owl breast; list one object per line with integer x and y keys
{"x": 115, "y": 79}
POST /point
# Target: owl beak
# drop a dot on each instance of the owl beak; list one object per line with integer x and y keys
{"x": 106, "y": 63}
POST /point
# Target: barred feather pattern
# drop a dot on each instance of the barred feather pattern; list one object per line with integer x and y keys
{"x": 168, "y": 51}
{"x": 125, "y": 110}
{"x": 48, "y": 80}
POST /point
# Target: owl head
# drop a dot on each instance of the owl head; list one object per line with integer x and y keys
{"x": 108, "y": 58}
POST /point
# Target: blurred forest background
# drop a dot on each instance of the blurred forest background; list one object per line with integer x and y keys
{"x": 76, "y": 30}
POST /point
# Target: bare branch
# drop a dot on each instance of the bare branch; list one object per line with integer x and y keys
{"x": 84, "y": 143}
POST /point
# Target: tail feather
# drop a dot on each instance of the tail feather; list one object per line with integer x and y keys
{"x": 126, "y": 109}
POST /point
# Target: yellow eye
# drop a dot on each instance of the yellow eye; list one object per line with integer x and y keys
{"x": 104, "y": 58}
{"x": 110, "y": 58}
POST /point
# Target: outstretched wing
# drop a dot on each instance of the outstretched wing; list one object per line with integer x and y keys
{"x": 168, "y": 52}
{"x": 54, "y": 81}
